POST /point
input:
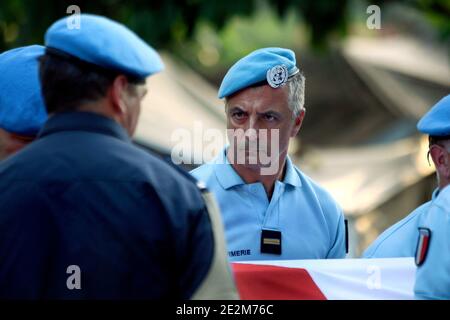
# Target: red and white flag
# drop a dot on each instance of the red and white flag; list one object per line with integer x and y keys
{"x": 332, "y": 279}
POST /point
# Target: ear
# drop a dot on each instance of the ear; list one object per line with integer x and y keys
{"x": 117, "y": 93}
{"x": 441, "y": 160}
{"x": 298, "y": 124}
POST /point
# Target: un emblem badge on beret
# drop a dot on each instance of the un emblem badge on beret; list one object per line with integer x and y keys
{"x": 277, "y": 76}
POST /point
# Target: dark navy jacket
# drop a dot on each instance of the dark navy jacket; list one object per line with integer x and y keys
{"x": 83, "y": 195}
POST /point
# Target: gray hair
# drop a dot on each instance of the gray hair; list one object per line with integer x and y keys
{"x": 297, "y": 94}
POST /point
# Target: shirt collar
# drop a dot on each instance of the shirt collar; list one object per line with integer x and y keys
{"x": 435, "y": 193}
{"x": 225, "y": 173}
{"x": 83, "y": 121}
{"x": 228, "y": 177}
{"x": 291, "y": 176}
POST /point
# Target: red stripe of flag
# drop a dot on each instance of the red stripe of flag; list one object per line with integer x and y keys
{"x": 263, "y": 282}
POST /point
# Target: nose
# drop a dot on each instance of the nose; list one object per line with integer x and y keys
{"x": 251, "y": 130}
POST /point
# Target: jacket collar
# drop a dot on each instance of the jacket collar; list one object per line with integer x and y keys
{"x": 83, "y": 121}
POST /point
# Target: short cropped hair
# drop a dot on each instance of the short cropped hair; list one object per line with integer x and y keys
{"x": 67, "y": 82}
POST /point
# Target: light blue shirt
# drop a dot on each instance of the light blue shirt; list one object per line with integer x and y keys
{"x": 433, "y": 276}
{"x": 310, "y": 221}
{"x": 400, "y": 239}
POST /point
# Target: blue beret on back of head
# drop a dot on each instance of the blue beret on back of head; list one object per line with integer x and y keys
{"x": 105, "y": 43}
{"x": 22, "y": 109}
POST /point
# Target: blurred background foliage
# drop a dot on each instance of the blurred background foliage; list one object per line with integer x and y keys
{"x": 210, "y": 35}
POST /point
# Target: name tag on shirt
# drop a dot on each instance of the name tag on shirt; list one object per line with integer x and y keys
{"x": 271, "y": 241}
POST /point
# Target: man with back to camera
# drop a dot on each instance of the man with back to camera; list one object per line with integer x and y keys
{"x": 84, "y": 213}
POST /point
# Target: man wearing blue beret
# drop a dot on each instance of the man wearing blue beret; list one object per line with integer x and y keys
{"x": 271, "y": 210}
{"x": 399, "y": 240}
{"x": 85, "y": 214}
{"x": 433, "y": 235}
{"x": 22, "y": 110}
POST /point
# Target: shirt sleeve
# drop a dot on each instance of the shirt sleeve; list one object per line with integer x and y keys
{"x": 338, "y": 249}
{"x": 197, "y": 249}
{"x": 433, "y": 276}
{"x": 219, "y": 282}
{"x": 206, "y": 273}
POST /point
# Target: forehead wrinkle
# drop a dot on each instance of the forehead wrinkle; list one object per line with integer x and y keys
{"x": 254, "y": 100}
{"x": 251, "y": 104}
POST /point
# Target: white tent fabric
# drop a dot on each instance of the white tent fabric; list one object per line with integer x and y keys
{"x": 362, "y": 178}
{"x": 178, "y": 99}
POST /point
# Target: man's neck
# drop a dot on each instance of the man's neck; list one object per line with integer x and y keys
{"x": 443, "y": 183}
{"x": 253, "y": 174}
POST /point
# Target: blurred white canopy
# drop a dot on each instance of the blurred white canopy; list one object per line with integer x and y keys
{"x": 363, "y": 178}
{"x": 177, "y": 99}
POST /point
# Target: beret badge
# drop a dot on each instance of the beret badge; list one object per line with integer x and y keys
{"x": 277, "y": 76}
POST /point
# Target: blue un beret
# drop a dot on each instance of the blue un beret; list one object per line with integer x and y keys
{"x": 22, "y": 109}
{"x": 105, "y": 43}
{"x": 436, "y": 122}
{"x": 273, "y": 65}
